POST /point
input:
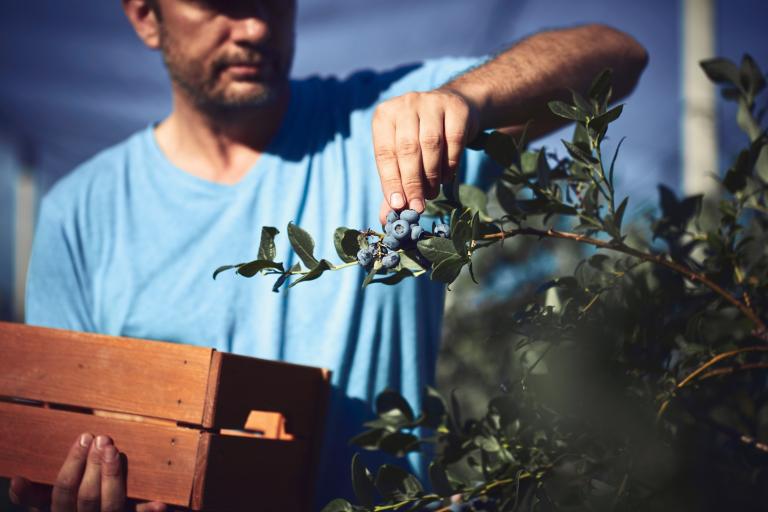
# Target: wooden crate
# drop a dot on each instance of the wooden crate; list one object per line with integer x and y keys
{"x": 201, "y": 429}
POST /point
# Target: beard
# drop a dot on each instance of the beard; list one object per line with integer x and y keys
{"x": 211, "y": 88}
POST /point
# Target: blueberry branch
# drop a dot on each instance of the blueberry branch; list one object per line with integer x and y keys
{"x": 761, "y": 330}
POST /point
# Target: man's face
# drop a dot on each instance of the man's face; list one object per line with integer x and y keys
{"x": 228, "y": 54}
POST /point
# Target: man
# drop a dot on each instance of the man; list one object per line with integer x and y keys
{"x": 126, "y": 243}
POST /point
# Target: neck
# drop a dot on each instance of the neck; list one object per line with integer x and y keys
{"x": 221, "y": 145}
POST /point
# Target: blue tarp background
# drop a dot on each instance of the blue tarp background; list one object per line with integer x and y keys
{"x": 75, "y": 79}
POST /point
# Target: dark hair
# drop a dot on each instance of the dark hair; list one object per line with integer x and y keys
{"x": 155, "y": 6}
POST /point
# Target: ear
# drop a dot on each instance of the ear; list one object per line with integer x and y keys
{"x": 144, "y": 20}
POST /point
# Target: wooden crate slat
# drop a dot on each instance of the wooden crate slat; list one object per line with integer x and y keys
{"x": 164, "y": 380}
{"x": 241, "y": 384}
{"x": 161, "y": 459}
{"x": 244, "y": 474}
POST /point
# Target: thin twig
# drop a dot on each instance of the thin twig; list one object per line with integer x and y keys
{"x": 761, "y": 328}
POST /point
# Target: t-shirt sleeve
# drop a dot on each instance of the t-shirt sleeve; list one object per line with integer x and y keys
{"x": 57, "y": 282}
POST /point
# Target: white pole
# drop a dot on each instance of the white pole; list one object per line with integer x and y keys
{"x": 700, "y": 163}
{"x": 25, "y": 226}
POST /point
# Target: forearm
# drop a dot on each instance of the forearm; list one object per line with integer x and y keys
{"x": 514, "y": 87}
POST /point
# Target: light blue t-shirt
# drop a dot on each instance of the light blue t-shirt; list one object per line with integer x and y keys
{"x": 127, "y": 243}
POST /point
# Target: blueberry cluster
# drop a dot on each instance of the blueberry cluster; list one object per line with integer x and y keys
{"x": 401, "y": 231}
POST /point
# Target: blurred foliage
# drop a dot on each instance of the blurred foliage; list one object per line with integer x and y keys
{"x": 636, "y": 381}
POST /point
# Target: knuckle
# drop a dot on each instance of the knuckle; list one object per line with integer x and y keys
{"x": 65, "y": 489}
{"x": 88, "y": 501}
{"x": 455, "y": 136}
{"x": 431, "y": 141}
{"x": 408, "y": 147}
{"x": 412, "y": 182}
{"x": 385, "y": 154}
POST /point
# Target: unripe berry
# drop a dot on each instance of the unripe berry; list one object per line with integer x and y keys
{"x": 391, "y": 242}
{"x": 390, "y": 260}
{"x": 401, "y": 229}
{"x": 410, "y": 216}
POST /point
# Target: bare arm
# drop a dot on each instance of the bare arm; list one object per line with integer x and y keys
{"x": 418, "y": 137}
{"x": 515, "y": 86}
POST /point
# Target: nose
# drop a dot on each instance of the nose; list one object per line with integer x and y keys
{"x": 250, "y": 29}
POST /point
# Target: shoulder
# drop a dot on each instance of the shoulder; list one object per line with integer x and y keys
{"x": 366, "y": 87}
{"x": 95, "y": 181}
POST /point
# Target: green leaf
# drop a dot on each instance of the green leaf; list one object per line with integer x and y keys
{"x": 433, "y": 410}
{"x": 394, "y": 278}
{"x": 362, "y": 483}
{"x": 302, "y": 244}
{"x": 267, "y": 245}
{"x": 580, "y": 154}
{"x": 368, "y": 440}
{"x": 399, "y": 444}
{"x": 601, "y": 86}
{"x": 582, "y": 103}
{"x": 252, "y": 268}
{"x": 225, "y": 268}
{"x": 372, "y": 273}
{"x": 619, "y": 217}
{"x": 752, "y": 79}
{"x": 562, "y": 109}
{"x": 409, "y": 259}
{"x": 389, "y": 400}
{"x": 600, "y": 122}
{"x": 338, "y": 505}
{"x": 394, "y": 483}
{"x": 461, "y": 232}
{"x": 721, "y": 71}
{"x": 501, "y": 148}
{"x": 346, "y": 242}
{"x": 437, "y": 249}
{"x": 438, "y": 477}
{"x": 746, "y": 122}
{"x": 314, "y": 273}
{"x": 448, "y": 269}
{"x": 613, "y": 162}
{"x": 473, "y": 198}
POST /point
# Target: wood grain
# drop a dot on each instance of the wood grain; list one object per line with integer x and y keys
{"x": 241, "y": 473}
{"x": 161, "y": 460}
{"x": 239, "y": 385}
{"x": 149, "y": 378}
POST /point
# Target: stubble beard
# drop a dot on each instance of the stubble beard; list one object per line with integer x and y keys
{"x": 208, "y": 90}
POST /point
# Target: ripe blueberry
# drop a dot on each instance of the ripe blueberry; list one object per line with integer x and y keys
{"x": 392, "y": 216}
{"x": 390, "y": 260}
{"x": 410, "y": 216}
{"x": 442, "y": 230}
{"x": 401, "y": 229}
{"x": 391, "y": 242}
{"x": 416, "y": 232}
{"x": 388, "y": 228}
{"x": 365, "y": 256}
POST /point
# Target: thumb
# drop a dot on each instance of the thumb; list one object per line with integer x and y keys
{"x": 28, "y": 494}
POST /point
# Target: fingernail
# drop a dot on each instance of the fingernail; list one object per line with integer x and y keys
{"x": 102, "y": 442}
{"x": 417, "y": 204}
{"x": 109, "y": 453}
{"x": 396, "y": 200}
{"x": 85, "y": 440}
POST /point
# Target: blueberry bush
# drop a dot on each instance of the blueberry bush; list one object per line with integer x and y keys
{"x": 647, "y": 388}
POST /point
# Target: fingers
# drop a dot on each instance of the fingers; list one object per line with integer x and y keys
{"x": 456, "y": 128}
{"x": 28, "y": 494}
{"x": 89, "y": 492}
{"x": 418, "y": 140}
{"x": 386, "y": 158}
{"x": 64, "y": 495}
{"x": 408, "y": 149}
{"x": 113, "y": 483}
